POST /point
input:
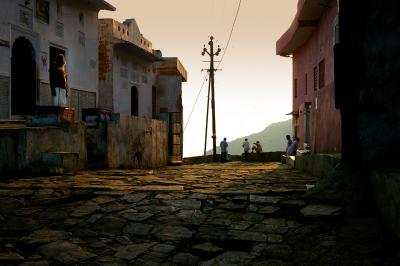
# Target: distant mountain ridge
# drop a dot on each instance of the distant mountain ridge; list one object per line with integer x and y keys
{"x": 272, "y": 138}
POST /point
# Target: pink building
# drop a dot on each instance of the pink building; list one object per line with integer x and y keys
{"x": 310, "y": 41}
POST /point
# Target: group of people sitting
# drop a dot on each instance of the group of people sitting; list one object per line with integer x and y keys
{"x": 246, "y": 148}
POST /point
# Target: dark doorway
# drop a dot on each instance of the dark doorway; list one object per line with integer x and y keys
{"x": 54, "y": 51}
{"x": 23, "y": 77}
{"x": 154, "y": 102}
{"x": 308, "y": 130}
{"x": 134, "y": 101}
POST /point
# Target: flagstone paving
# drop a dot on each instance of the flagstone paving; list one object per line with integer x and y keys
{"x": 207, "y": 214}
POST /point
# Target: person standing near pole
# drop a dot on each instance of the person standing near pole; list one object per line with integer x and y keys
{"x": 224, "y": 150}
{"x": 246, "y": 148}
{"x": 289, "y": 142}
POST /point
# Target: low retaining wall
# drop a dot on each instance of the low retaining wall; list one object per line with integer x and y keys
{"x": 319, "y": 165}
{"x": 21, "y": 149}
{"x": 253, "y": 157}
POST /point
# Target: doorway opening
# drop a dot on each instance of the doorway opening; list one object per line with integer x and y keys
{"x": 134, "y": 101}
{"x": 54, "y": 51}
{"x": 23, "y": 78}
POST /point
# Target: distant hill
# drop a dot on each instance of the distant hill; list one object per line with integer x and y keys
{"x": 272, "y": 138}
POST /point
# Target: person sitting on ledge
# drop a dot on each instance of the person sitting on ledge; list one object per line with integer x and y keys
{"x": 256, "y": 147}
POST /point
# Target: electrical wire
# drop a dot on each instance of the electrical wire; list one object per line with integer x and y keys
{"x": 231, "y": 33}
{"x": 197, "y": 99}
{"x": 222, "y": 58}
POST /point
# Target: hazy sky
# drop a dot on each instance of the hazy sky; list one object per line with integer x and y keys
{"x": 254, "y": 87}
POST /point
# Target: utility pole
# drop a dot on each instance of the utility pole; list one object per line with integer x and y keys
{"x": 211, "y": 72}
{"x": 208, "y": 108}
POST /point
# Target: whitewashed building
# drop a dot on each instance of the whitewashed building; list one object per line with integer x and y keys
{"x": 126, "y": 73}
{"x": 32, "y": 33}
{"x": 136, "y": 80}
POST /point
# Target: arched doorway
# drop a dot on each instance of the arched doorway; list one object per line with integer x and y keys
{"x": 134, "y": 101}
{"x": 23, "y": 77}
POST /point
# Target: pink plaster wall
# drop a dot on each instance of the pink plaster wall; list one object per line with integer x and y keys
{"x": 325, "y": 123}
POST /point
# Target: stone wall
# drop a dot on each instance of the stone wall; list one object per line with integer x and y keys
{"x": 134, "y": 142}
{"x": 22, "y": 148}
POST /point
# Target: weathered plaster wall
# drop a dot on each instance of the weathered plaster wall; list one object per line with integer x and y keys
{"x": 106, "y": 55}
{"x": 20, "y": 148}
{"x": 4, "y": 97}
{"x": 131, "y": 138}
{"x": 169, "y": 94}
{"x": 71, "y": 138}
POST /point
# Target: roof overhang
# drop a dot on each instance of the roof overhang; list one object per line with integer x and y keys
{"x": 304, "y": 24}
{"x": 136, "y": 50}
{"x": 172, "y": 66}
{"x": 101, "y": 5}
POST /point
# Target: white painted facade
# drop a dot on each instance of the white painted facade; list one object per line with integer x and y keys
{"x": 72, "y": 26}
{"x": 140, "y": 75}
{"x": 130, "y": 59}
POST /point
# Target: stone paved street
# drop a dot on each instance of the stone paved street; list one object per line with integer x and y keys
{"x": 232, "y": 214}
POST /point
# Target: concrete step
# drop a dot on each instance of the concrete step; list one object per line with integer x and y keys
{"x": 12, "y": 123}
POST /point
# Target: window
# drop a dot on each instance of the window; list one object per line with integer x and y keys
{"x": 322, "y": 74}
{"x": 124, "y": 73}
{"x": 306, "y": 83}
{"x": 336, "y": 32}
{"x": 43, "y": 11}
{"x": 81, "y": 38}
{"x": 295, "y": 88}
{"x": 82, "y": 19}
{"x": 25, "y": 17}
{"x": 60, "y": 30}
{"x": 315, "y": 78}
